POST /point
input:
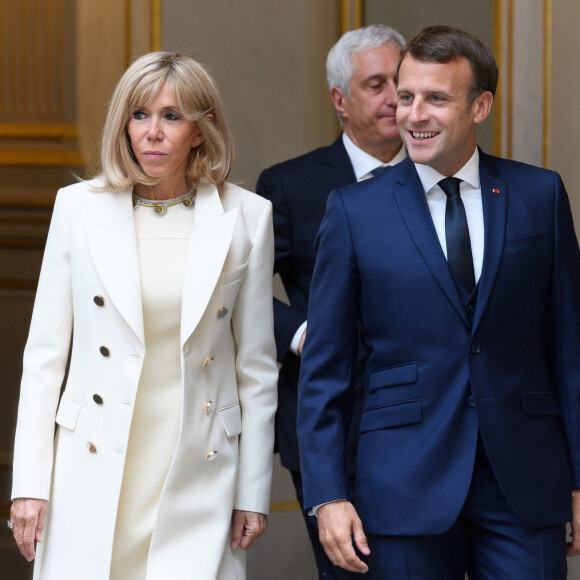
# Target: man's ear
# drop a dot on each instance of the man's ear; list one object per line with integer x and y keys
{"x": 482, "y": 106}
{"x": 337, "y": 95}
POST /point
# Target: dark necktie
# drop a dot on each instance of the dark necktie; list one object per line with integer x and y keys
{"x": 380, "y": 169}
{"x": 457, "y": 234}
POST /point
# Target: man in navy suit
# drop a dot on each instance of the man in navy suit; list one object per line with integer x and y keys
{"x": 463, "y": 272}
{"x": 361, "y": 70}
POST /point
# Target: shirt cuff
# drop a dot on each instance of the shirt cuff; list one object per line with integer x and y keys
{"x": 313, "y": 511}
{"x": 296, "y": 340}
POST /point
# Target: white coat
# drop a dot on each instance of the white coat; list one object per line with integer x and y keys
{"x": 223, "y": 459}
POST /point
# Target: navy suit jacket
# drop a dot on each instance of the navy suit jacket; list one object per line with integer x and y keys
{"x": 298, "y": 189}
{"x": 439, "y": 372}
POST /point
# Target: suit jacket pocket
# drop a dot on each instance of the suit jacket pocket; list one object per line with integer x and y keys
{"x": 231, "y": 418}
{"x": 395, "y": 415}
{"x": 404, "y": 374}
{"x": 68, "y": 412}
{"x": 534, "y": 403}
{"x": 523, "y": 243}
{"x": 235, "y": 274}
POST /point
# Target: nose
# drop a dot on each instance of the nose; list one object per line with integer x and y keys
{"x": 391, "y": 97}
{"x": 154, "y": 129}
{"x": 418, "y": 111}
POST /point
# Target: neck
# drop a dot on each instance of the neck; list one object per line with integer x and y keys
{"x": 160, "y": 192}
{"x": 384, "y": 152}
{"x": 386, "y": 155}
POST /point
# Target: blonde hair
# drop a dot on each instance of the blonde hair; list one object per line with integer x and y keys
{"x": 198, "y": 100}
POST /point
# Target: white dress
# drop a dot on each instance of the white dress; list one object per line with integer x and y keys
{"x": 162, "y": 243}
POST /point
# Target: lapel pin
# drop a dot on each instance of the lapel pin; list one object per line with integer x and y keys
{"x": 496, "y": 191}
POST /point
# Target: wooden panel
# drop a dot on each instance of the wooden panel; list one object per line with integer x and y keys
{"x": 37, "y": 96}
{"x": 15, "y": 309}
{"x": 22, "y": 238}
{"x": 32, "y": 47}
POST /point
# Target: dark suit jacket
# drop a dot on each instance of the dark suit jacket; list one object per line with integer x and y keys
{"x": 298, "y": 190}
{"x": 438, "y": 372}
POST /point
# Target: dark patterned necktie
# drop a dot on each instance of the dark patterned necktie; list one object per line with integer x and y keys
{"x": 457, "y": 234}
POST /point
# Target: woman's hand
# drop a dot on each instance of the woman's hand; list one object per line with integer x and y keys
{"x": 246, "y": 527}
{"x": 27, "y": 517}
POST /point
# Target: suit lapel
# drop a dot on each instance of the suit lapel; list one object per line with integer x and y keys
{"x": 494, "y": 193}
{"x": 340, "y": 171}
{"x": 412, "y": 204}
{"x": 209, "y": 243}
{"x": 113, "y": 247}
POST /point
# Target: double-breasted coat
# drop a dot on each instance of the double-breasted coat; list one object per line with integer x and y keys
{"x": 90, "y": 292}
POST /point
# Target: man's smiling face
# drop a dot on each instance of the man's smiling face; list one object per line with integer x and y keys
{"x": 436, "y": 119}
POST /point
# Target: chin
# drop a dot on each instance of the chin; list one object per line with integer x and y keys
{"x": 418, "y": 156}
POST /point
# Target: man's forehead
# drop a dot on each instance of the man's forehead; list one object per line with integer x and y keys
{"x": 387, "y": 51}
{"x": 430, "y": 72}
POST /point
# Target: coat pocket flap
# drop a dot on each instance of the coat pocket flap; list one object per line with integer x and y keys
{"x": 235, "y": 274}
{"x": 395, "y": 415}
{"x": 539, "y": 404}
{"x": 523, "y": 243}
{"x": 399, "y": 375}
{"x": 68, "y": 412}
{"x": 231, "y": 418}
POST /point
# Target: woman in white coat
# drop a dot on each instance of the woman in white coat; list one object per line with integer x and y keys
{"x": 159, "y": 273}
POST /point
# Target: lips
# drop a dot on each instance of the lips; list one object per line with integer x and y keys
{"x": 153, "y": 154}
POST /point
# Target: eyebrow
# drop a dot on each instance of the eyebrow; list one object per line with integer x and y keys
{"x": 426, "y": 92}
{"x": 168, "y": 108}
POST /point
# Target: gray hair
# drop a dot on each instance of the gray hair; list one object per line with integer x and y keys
{"x": 339, "y": 67}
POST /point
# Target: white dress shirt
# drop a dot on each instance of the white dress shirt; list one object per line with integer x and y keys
{"x": 363, "y": 163}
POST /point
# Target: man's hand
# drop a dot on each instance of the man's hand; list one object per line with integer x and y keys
{"x": 246, "y": 527}
{"x": 338, "y": 524}
{"x": 573, "y": 547}
{"x": 27, "y": 517}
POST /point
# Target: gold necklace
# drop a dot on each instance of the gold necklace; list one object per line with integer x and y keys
{"x": 159, "y": 208}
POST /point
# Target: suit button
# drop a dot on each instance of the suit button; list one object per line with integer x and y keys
{"x": 104, "y": 351}
{"x": 211, "y": 455}
{"x": 471, "y": 309}
{"x": 99, "y": 300}
{"x": 222, "y": 312}
{"x": 209, "y": 407}
{"x": 208, "y": 361}
{"x": 475, "y": 349}
{"x": 91, "y": 447}
{"x": 470, "y": 401}
{"x": 98, "y": 399}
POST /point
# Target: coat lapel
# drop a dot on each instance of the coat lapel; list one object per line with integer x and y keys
{"x": 494, "y": 193}
{"x": 113, "y": 247}
{"x": 339, "y": 167}
{"x": 209, "y": 243}
{"x": 412, "y": 204}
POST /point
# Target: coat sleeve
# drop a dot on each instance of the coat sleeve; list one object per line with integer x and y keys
{"x": 328, "y": 370}
{"x": 44, "y": 364}
{"x": 256, "y": 369}
{"x": 564, "y": 325}
{"x": 287, "y": 318}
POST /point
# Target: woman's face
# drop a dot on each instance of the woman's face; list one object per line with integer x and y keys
{"x": 162, "y": 140}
